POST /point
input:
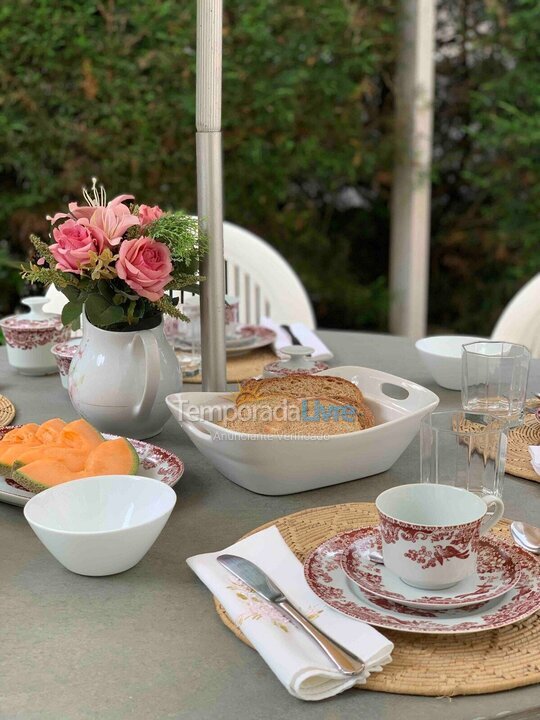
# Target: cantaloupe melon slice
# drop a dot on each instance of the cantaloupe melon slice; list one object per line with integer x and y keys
{"x": 49, "y": 431}
{"x": 110, "y": 457}
{"x": 73, "y": 459}
{"x": 81, "y": 435}
{"x": 42, "y": 474}
{"x": 10, "y": 452}
{"x": 20, "y": 434}
{"x": 113, "y": 457}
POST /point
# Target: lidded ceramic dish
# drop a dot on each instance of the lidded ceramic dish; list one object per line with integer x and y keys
{"x": 64, "y": 352}
{"x": 298, "y": 362}
{"x": 30, "y": 337}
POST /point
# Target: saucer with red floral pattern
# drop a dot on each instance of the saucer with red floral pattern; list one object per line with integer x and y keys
{"x": 496, "y": 574}
{"x": 326, "y": 577}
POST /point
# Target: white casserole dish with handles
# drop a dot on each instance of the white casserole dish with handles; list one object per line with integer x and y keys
{"x": 277, "y": 465}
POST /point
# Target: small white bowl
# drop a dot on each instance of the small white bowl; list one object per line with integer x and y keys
{"x": 101, "y": 525}
{"x": 442, "y": 357}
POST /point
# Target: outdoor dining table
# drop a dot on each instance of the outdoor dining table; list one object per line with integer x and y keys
{"x": 147, "y": 644}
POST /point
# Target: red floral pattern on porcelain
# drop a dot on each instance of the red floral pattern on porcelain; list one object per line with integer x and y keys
{"x": 276, "y": 368}
{"x": 64, "y": 353}
{"x": 448, "y": 542}
{"x": 328, "y": 581}
{"x": 430, "y": 547}
{"x": 496, "y": 574}
{"x": 30, "y": 338}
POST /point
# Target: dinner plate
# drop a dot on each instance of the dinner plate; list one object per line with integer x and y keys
{"x": 327, "y": 579}
{"x": 250, "y": 337}
{"x": 496, "y": 573}
{"x": 154, "y": 462}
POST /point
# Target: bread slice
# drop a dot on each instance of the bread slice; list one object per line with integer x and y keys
{"x": 312, "y": 405}
{"x": 273, "y": 415}
{"x": 302, "y": 386}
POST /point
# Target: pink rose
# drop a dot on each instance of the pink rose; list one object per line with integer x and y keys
{"x": 148, "y": 214}
{"x": 72, "y": 247}
{"x": 145, "y": 265}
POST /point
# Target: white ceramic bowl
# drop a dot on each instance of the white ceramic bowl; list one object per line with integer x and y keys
{"x": 442, "y": 356}
{"x": 101, "y": 525}
{"x": 274, "y": 465}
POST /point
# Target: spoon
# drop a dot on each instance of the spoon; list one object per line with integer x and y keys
{"x": 526, "y": 536}
{"x": 376, "y": 557}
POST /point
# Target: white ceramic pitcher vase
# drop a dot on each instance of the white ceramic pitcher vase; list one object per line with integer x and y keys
{"x": 118, "y": 381}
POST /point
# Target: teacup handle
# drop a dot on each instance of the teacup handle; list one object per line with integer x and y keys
{"x": 498, "y": 510}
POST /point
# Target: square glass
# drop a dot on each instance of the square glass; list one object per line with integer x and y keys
{"x": 494, "y": 379}
{"x": 466, "y": 450}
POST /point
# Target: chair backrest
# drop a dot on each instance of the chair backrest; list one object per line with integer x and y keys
{"x": 258, "y": 275}
{"x": 262, "y": 280}
{"x": 520, "y": 320}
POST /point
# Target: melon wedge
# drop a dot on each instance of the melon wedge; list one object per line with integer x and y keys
{"x": 81, "y": 435}
{"x": 42, "y": 474}
{"x": 73, "y": 459}
{"x": 20, "y": 434}
{"x": 49, "y": 431}
{"x": 10, "y": 452}
{"x": 112, "y": 457}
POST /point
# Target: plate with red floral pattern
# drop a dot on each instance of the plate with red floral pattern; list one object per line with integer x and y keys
{"x": 154, "y": 462}
{"x": 496, "y": 574}
{"x": 327, "y": 579}
{"x": 248, "y": 338}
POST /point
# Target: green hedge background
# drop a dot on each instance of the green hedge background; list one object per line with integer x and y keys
{"x": 107, "y": 88}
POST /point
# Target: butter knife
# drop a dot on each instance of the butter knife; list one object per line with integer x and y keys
{"x": 257, "y": 580}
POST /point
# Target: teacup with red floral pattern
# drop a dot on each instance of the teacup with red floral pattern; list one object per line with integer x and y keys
{"x": 430, "y": 532}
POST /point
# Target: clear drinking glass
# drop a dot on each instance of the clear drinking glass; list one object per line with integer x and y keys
{"x": 189, "y": 340}
{"x": 466, "y": 450}
{"x": 494, "y": 379}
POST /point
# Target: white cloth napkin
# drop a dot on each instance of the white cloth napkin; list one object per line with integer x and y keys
{"x": 303, "y": 333}
{"x": 290, "y": 653}
{"x": 534, "y": 452}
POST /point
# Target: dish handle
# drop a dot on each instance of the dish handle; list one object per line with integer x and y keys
{"x": 409, "y": 395}
{"x": 197, "y": 429}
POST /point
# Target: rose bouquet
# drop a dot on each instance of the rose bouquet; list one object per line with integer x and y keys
{"x": 118, "y": 260}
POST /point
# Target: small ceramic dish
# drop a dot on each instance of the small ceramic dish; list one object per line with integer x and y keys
{"x": 30, "y": 337}
{"x": 64, "y": 353}
{"x": 298, "y": 362}
{"x": 442, "y": 357}
{"x": 101, "y": 525}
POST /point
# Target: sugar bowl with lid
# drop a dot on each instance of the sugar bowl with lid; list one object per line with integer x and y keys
{"x": 30, "y": 337}
{"x": 299, "y": 361}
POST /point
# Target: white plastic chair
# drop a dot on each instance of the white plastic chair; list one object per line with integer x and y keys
{"x": 262, "y": 280}
{"x": 520, "y": 320}
{"x": 258, "y": 275}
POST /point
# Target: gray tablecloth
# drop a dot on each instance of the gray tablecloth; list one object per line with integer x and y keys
{"x": 147, "y": 644}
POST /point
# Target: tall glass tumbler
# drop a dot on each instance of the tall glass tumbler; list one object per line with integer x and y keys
{"x": 494, "y": 379}
{"x": 466, "y": 450}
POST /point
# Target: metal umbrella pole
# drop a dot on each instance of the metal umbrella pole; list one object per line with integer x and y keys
{"x": 210, "y": 192}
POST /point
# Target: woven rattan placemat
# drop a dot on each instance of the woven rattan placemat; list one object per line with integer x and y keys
{"x": 518, "y": 460}
{"x": 244, "y": 366}
{"x": 7, "y": 411}
{"x": 433, "y": 665}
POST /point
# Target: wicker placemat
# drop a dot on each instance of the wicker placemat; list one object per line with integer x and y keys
{"x": 244, "y": 366}
{"x": 432, "y": 665}
{"x": 7, "y": 411}
{"x": 518, "y": 460}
